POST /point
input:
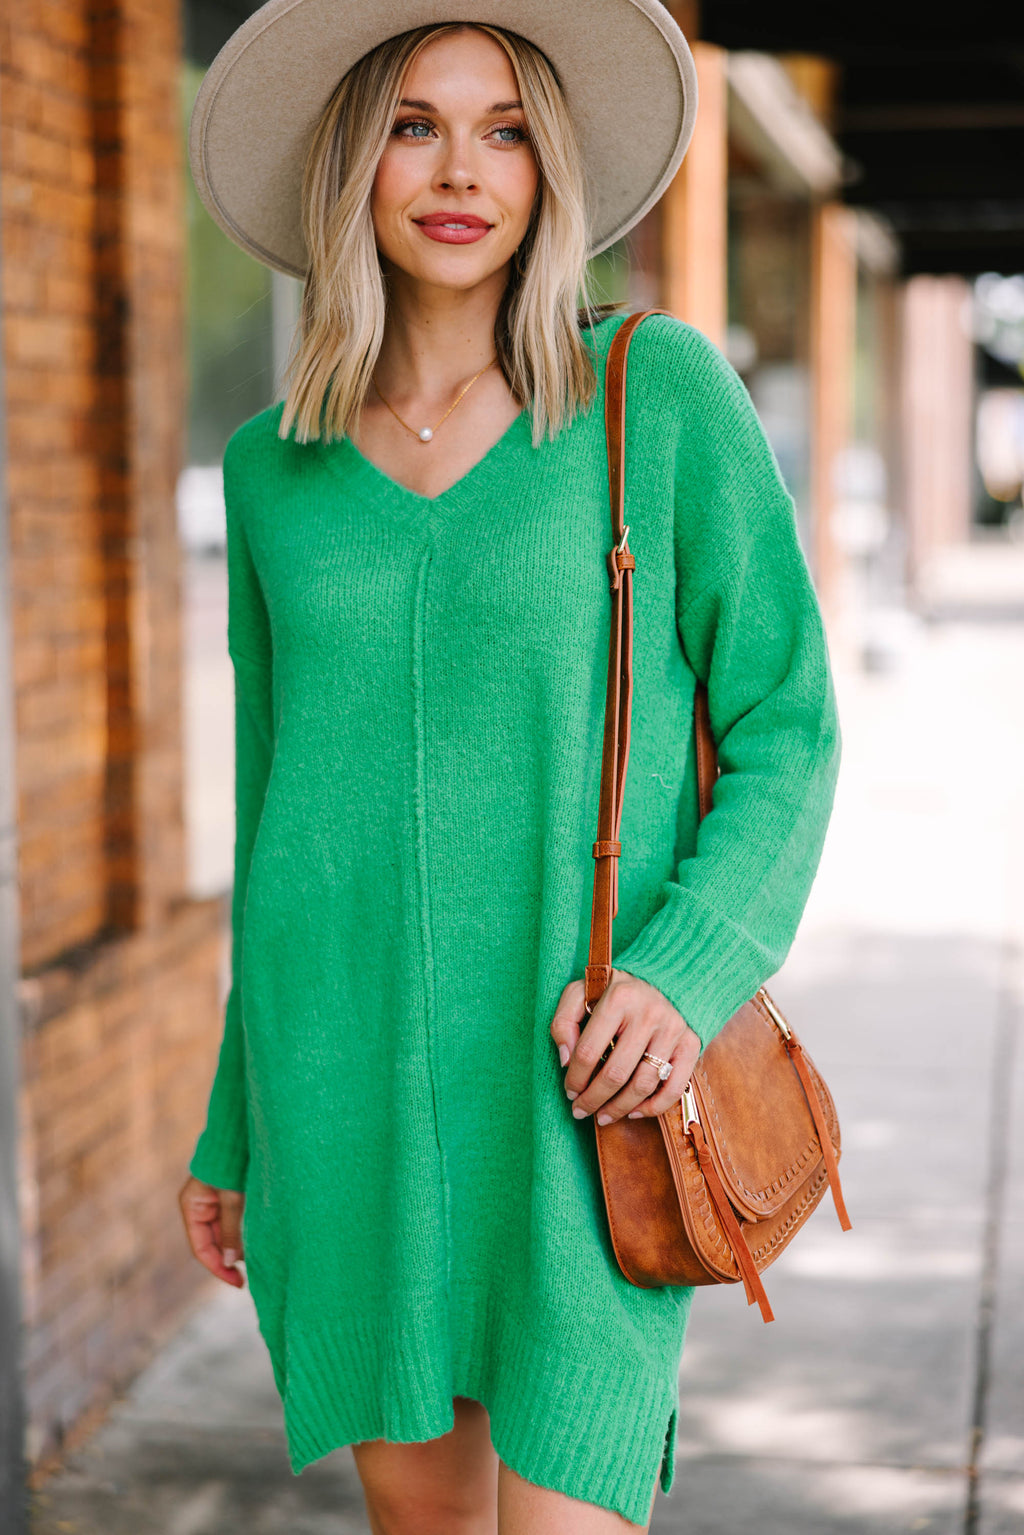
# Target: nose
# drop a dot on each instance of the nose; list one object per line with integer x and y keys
{"x": 456, "y": 169}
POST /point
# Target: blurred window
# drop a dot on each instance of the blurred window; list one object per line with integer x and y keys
{"x": 768, "y": 307}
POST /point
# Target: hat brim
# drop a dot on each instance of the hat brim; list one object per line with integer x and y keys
{"x": 625, "y": 67}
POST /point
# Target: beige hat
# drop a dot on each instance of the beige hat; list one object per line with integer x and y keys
{"x": 628, "y": 76}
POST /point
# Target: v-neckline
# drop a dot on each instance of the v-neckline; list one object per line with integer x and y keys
{"x": 368, "y": 467}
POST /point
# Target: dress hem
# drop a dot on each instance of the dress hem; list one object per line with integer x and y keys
{"x": 556, "y": 1419}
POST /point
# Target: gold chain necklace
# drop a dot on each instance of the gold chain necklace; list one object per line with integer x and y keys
{"x": 425, "y": 433}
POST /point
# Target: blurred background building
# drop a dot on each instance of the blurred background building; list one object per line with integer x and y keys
{"x": 848, "y": 227}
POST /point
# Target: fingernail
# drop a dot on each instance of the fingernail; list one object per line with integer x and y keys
{"x": 634, "y": 1114}
{"x": 563, "y": 1054}
{"x": 604, "y": 1119}
{"x": 579, "y": 1113}
{"x": 230, "y": 1256}
{"x": 570, "y": 1094}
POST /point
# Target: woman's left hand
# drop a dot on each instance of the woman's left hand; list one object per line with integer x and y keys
{"x": 638, "y": 1017}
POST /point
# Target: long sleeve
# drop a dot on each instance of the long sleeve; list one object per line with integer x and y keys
{"x": 222, "y": 1152}
{"x": 750, "y": 626}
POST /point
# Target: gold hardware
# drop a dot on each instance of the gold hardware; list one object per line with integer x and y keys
{"x": 770, "y": 1005}
{"x": 621, "y": 543}
{"x": 690, "y": 1115}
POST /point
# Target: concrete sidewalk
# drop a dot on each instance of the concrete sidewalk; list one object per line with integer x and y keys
{"x": 889, "y": 1393}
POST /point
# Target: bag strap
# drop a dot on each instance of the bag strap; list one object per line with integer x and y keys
{"x": 615, "y": 753}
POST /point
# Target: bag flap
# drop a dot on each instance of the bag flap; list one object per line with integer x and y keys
{"x": 755, "y": 1114}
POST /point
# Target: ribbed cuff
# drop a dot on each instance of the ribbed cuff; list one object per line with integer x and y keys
{"x": 221, "y": 1157}
{"x": 704, "y": 964}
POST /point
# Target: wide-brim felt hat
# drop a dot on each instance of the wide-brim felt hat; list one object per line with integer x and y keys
{"x": 624, "y": 66}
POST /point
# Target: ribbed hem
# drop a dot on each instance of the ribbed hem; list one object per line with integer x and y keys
{"x": 566, "y": 1424}
{"x": 602, "y": 1436}
{"x": 357, "y": 1379}
{"x": 703, "y": 963}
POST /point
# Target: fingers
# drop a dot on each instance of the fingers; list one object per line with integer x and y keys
{"x": 213, "y": 1226}
{"x": 607, "y": 1075}
{"x": 565, "y": 1025}
{"x": 625, "y": 1079}
{"x": 231, "y": 1206}
{"x": 617, "y": 1002}
{"x": 641, "y": 1084}
{"x": 684, "y": 1059}
{"x": 592, "y": 1048}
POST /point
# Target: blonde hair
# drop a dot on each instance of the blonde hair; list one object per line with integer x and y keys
{"x": 538, "y": 336}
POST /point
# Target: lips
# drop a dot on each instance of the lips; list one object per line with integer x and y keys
{"x": 442, "y": 220}
{"x": 453, "y": 228}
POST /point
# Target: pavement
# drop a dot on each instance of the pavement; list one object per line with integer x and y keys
{"x": 888, "y": 1395}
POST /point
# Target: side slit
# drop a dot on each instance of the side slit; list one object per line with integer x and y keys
{"x": 668, "y": 1458}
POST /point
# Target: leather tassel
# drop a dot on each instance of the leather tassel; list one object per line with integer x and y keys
{"x": 731, "y": 1226}
{"x": 796, "y": 1055}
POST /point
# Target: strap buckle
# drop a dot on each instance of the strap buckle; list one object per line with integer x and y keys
{"x": 618, "y": 560}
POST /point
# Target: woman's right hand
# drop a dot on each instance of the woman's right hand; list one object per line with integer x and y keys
{"x": 213, "y": 1225}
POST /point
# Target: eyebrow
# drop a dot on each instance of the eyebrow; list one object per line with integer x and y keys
{"x": 428, "y": 106}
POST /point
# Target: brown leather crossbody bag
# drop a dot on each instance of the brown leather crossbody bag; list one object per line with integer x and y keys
{"x": 713, "y": 1189}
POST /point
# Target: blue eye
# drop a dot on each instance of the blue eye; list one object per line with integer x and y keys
{"x": 413, "y": 122}
{"x": 518, "y": 135}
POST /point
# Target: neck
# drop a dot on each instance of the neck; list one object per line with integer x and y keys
{"x": 435, "y": 338}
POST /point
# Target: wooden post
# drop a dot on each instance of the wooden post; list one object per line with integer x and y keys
{"x": 832, "y": 337}
{"x": 937, "y": 418}
{"x": 694, "y": 208}
{"x": 140, "y": 260}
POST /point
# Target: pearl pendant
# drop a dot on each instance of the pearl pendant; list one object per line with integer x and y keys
{"x": 425, "y": 433}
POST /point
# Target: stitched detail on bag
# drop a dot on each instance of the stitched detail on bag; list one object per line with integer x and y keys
{"x": 811, "y": 1150}
{"x": 715, "y": 1249}
{"x": 795, "y": 1218}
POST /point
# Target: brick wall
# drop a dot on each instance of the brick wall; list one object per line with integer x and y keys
{"x": 57, "y": 566}
{"x": 121, "y": 975}
{"x": 114, "y": 1072}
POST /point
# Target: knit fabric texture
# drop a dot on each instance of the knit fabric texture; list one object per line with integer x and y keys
{"x": 420, "y": 691}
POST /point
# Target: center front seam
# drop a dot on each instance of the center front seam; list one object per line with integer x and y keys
{"x": 429, "y": 992}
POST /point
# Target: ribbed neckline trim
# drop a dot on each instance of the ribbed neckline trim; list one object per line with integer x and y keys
{"x": 342, "y": 456}
{"x": 343, "y": 453}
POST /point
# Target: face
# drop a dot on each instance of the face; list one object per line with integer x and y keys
{"x": 455, "y": 186}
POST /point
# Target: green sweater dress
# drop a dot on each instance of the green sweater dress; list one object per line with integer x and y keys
{"x": 420, "y": 688}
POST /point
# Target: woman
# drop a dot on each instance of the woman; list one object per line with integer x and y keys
{"x": 397, "y": 1137}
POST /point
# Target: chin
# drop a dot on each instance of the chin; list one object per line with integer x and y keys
{"x": 457, "y": 274}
